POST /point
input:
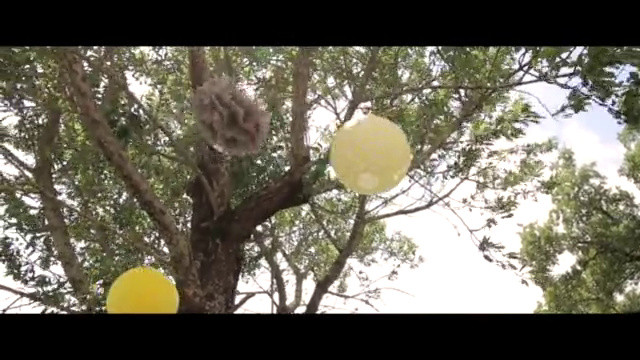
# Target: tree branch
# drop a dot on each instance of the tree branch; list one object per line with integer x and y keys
{"x": 198, "y": 70}
{"x": 212, "y": 162}
{"x": 467, "y": 110}
{"x": 390, "y": 199}
{"x": 264, "y": 291}
{"x": 275, "y": 269}
{"x": 431, "y": 203}
{"x": 301, "y": 76}
{"x": 117, "y": 80}
{"x": 300, "y": 276}
{"x": 35, "y": 298}
{"x": 12, "y": 158}
{"x": 358, "y": 92}
{"x": 9, "y": 307}
{"x": 242, "y": 302}
{"x": 53, "y": 211}
{"x": 419, "y": 89}
{"x": 140, "y": 188}
{"x": 282, "y": 194}
{"x": 297, "y": 298}
{"x": 338, "y": 265}
{"x": 354, "y": 297}
{"x": 325, "y": 230}
{"x": 542, "y": 104}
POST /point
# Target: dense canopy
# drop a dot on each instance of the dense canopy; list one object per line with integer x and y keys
{"x": 108, "y": 163}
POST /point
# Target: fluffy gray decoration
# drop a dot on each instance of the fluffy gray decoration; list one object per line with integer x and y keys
{"x": 228, "y": 119}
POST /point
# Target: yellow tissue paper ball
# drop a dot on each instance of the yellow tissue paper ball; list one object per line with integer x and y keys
{"x": 142, "y": 290}
{"x": 371, "y": 155}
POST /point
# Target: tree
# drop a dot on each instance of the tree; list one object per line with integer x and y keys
{"x": 599, "y": 227}
{"x": 600, "y": 79}
{"x": 99, "y": 180}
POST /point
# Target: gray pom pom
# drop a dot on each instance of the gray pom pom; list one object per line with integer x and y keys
{"x": 229, "y": 120}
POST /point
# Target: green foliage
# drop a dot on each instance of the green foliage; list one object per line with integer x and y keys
{"x": 601, "y": 79}
{"x": 599, "y": 227}
{"x": 422, "y": 89}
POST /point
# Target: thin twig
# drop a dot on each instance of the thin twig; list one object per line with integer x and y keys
{"x": 538, "y": 100}
{"x": 325, "y": 230}
{"x": 35, "y": 298}
{"x": 365, "y": 301}
{"x": 338, "y": 265}
{"x": 4, "y": 311}
{"x": 242, "y": 302}
{"x": 431, "y": 203}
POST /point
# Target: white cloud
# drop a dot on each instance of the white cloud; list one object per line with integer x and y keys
{"x": 565, "y": 261}
{"x": 588, "y": 147}
{"x": 454, "y": 278}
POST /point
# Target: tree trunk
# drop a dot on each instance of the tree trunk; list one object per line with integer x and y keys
{"x": 217, "y": 257}
{"x": 218, "y": 245}
{"x": 217, "y": 232}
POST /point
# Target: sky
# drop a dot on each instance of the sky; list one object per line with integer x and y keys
{"x": 454, "y": 278}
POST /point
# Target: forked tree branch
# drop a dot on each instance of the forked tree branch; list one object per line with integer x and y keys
{"x": 139, "y": 187}
{"x": 338, "y": 265}
{"x": 318, "y": 219}
{"x": 269, "y": 256}
{"x": 36, "y": 298}
{"x": 435, "y": 200}
{"x": 360, "y": 88}
{"x": 53, "y": 212}
{"x": 14, "y": 160}
{"x": 354, "y": 297}
{"x": 243, "y": 301}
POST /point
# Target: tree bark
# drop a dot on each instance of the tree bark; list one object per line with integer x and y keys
{"x": 301, "y": 76}
{"x": 357, "y": 230}
{"x": 217, "y": 256}
{"x": 217, "y": 239}
{"x": 98, "y": 128}
{"x": 43, "y": 176}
